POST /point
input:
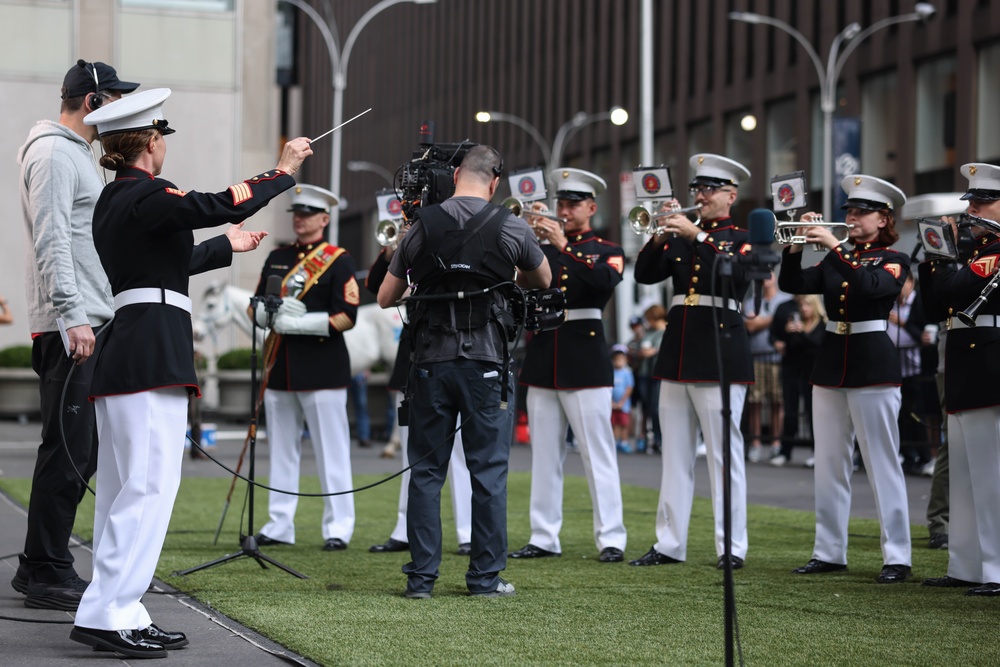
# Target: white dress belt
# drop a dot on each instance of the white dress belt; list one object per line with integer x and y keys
{"x": 583, "y": 314}
{"x": 704, "y": 300}
{"x": 848, "y": 328}
{"x": 981, "y": 321}
{"x": 152, "y": 295}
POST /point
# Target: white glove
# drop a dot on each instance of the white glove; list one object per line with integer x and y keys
{"x": 292, "y": 306}
{"x": 309, "y": 324}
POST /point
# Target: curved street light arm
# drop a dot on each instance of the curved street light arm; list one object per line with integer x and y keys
{"x": 331, "y": 41}
{"x": 867, "y": 32}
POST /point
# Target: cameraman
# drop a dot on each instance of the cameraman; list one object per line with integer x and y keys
{"x": 459, "y": 364}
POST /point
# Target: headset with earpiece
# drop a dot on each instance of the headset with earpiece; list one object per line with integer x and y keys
{"x": 94, "y": 100}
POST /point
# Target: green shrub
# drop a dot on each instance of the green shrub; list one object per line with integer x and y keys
{"x": 235, "y": 359}
{"x": 16, "y": 356}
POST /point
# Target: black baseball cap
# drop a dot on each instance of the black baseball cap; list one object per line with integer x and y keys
{"x": 83, "y": 78}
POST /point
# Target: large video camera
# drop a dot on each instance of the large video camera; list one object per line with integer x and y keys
{"x": 429, "y": 177}
{"x": 538, "y": 309}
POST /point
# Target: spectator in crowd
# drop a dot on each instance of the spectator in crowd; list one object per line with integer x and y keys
{"x": 358, "y": 390}
{"x": 656, "y": 319}
{"x": 796, "y": 333}
{"x": 621, "y": 397}
{"x": 5, "y": 315}
{"x": 765, "y": 393}
{"x": 906, "y": 327}
{"x": 637, "y": 427}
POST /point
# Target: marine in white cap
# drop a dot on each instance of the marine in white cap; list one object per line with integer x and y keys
{"x": 857, "y": 375}
{"x": 143, "y": 233}
{"x": 972, "y": 398}
{"x": 685, "y": 253}
{"x": 569, "y": 375}
{"x": 307, "y": 385}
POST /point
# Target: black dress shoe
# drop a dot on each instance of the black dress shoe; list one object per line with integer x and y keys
{"x": 390, "y": 546}
{"x": 736, "y": 560}
{"x": 464, "y": 549}
{"x": 130, "y": 643}
{"x": 948, "y": 582}
{"x": 816, "y": 566}
{"x": 611, "y": 555}
{"x": 990, "y": 589}
{"x": 531, "y": 551}
{"x": 170, "y": 640}
{"x": 654, "y": 557}
{"x": 938, "y": 541}
{"x": 893, "y": 574}
{"x": 19, "y": 583}
{"x": 334, "y": 544}
{"x": 265, "y": 541}
{"x": 64, "y": 595}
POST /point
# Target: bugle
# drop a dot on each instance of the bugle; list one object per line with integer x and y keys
{"x": 786, "y": 233}
{"x": 643, "y": 222}
{"x": 387, "y": 232}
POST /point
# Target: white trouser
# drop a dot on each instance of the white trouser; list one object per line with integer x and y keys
{"x": 974, "y": 465}
{"x": 458, "y": 476}
{"x": 139, "y": 460}
{"x": 325, "y": 413}
{"x": 684, "y": 408}
{"x": 588, "y": 412}
{"x": 870, "y": 413}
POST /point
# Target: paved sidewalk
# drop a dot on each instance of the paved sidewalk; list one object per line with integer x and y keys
{"x": 217, "y": 641}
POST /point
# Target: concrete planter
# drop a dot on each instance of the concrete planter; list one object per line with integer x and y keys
{"x": 19, "y": 393}
{"x": 234, "y": 394}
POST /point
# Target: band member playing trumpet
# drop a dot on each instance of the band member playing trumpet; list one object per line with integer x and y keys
{"x": 973, "y": 407}
{"x": 569, "y": 376}
{"x": 690, "y": 393}
{"x": 856, "y": 381}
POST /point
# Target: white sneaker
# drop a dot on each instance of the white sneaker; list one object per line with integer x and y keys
{"x": 503, "y": 589}
{"x": 756, "y": 454}
{"x": 811, "y": 462}
{"x": 928, "y": 469}
{"x": 778, "y": 460}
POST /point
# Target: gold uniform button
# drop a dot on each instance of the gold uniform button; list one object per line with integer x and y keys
{"x": 843, "y": 284}
{"x": 579, "y": 254}
{"x": 563, "y": 289}
{"x": 697, "y": 267}
{"x": 691, "y": 291}
{"x": 695, "y": 279}
{"x": 951, "y": 311}
{"x": 842, "y": 297}
{"x": 854, "y": 263}
{"x": 302, "y": 255}
{"x": 710, "y": 239}
{"x": 972, "y": 346}
{"x": 592, "y": 334}
{"x": 841, "y": 311}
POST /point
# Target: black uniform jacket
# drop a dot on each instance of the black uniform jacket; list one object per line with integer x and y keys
{"x": 576, "y": 356}
{"x": 858, "y": 284}
{"x": 687, "y": 353}
{"x": 309, "y": 363}
{"x": 401, "y": 367}
{"x": 143, "y": 235}
{"x": 972, "y": 355}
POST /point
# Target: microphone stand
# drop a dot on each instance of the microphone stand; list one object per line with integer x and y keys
{"x": 248, "y": 542}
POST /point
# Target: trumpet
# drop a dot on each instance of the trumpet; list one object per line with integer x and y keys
{"x": 520, "y": 210}
{"x": 643, "y": 222}
{"x": 387, "y": 232}
{"x": 785, "y": 232}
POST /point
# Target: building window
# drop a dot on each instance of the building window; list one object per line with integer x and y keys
{"x": 782, "y": 152}
{"x": 935, "y": 140}
{"x": 879, "y": 119}
{"x": 987, "y": 137}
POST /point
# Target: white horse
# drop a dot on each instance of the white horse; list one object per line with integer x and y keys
{"x": 374, "y": 337}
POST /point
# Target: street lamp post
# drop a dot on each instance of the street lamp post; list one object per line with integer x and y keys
{"x": 851, "y": 36}
{"x": 338, "y": 66}
{"x": 553, "y": 154}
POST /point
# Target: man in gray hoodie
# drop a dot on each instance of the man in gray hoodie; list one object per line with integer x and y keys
{"x": 69, "y": 300}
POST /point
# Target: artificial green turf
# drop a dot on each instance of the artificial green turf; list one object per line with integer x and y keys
{"x": 572, "y": 610}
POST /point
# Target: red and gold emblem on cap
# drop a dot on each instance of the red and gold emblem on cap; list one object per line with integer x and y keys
{"x": 617, "y": 263}
{"x": 984, "y": 266}
{"x": 175, "y": 191}
{"x": 972, "y": 170}
{"x": 895, "y": 269}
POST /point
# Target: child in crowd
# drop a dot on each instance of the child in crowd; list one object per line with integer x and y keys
{"x": 621, "y": 397}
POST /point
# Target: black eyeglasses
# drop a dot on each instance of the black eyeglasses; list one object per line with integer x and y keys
{"x": 705, "y": 190}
